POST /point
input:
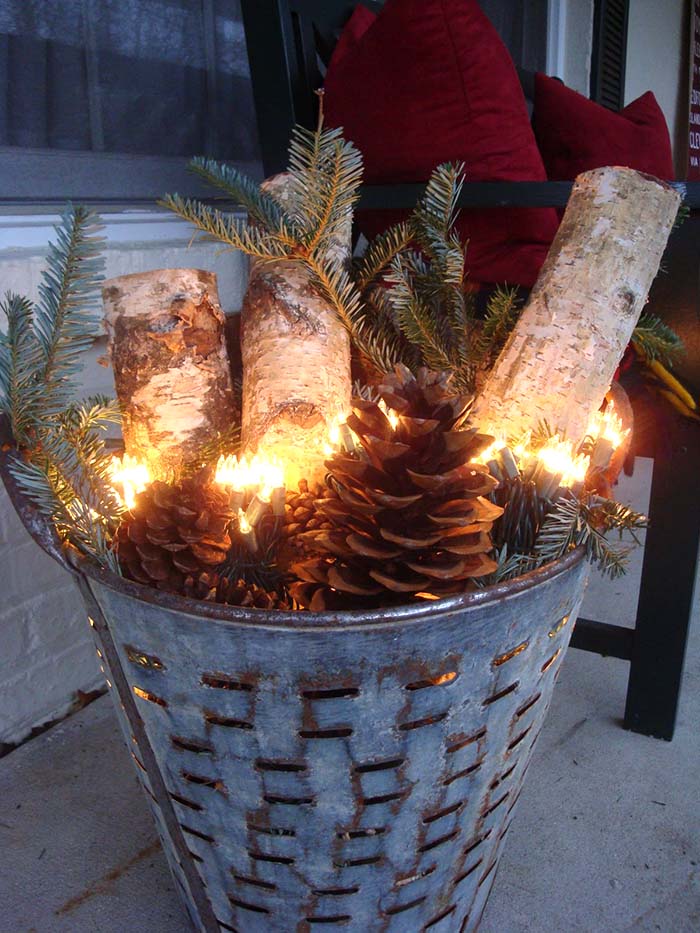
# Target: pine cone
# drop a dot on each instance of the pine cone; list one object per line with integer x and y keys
{"x": 302, "y": 517}
{"x": 250, "y": 595}
{"x": 409, "y": 515}
{"x": 176, "y": 536}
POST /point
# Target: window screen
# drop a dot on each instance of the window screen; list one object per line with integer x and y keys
{"x": 146, "y": 77}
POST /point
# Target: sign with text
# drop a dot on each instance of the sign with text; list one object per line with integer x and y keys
{"x": 694, "y": 116}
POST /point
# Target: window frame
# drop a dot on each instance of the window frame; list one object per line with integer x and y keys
{"x": 48, "y": 177}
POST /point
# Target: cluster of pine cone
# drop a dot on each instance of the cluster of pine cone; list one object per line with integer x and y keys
{"x": 407, "y": 517}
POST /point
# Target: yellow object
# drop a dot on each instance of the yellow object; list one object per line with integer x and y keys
{"x": 678, "y": 404}
{"x": 674, "y": 385}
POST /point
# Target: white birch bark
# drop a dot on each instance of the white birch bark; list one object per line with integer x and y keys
{"x": 296, "y": 363}
{"x": 171, "y": 368}
{"x": 562, "y": 354}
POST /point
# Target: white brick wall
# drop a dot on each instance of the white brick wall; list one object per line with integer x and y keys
{"x": 46, "y": 651}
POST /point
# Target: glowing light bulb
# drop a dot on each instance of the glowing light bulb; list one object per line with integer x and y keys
{"x": 129, "y": 477}
{"x": 558, "y": 458}
{"x": 607, "y": 425}
{"x": 244, "y": 525}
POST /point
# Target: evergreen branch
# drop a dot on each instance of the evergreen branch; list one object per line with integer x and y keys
{"x": 262, "y": 244}
{"x": 656, "y": 340}
{"x": 380, "y": 253}
{"x": 94, "y": 413}
{"x": 338, "y": 185}
{"x": 78, "y": 505}
{"x": 502, "y": 312}
{"x": 261, "y": 206}
{"x": 414, "y": 317}
{"x": 310, "y": 154}
{"x": 335, "y": 284}
{"x": 63, "y": 323}
{"x": 19, "y": 391}
{"x": 435, "y": 213}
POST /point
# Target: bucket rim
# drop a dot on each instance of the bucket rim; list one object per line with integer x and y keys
{"x": 336, "y": 620}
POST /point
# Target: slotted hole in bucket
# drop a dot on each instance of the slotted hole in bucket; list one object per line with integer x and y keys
{"x": 272, "y": 830}
{"x": 273, "y": 859}
{"x": 356, "y": 862}
{"x": 331, "y": 693}
{"x": 440, "y": 680}
{"x": 487, "y": 873}
{"x": 288, "y": 801}
{"x": 335, "y": 892}
{"x": 226, "y": 926}
{"x": 342, "y": 732}
{"x": 361, "y": 833}
{"x": 440, "y": 841}
{"x": 226, "y": 721}
{"x": 509, "y": 655}
{"x": 497, "y": 781}
{"x": 191, "y": 745}
{"x": 467, "y": 740}
{"x": 205, "y": 781}
{"x": 293, "y": 767}
{"x": 548, "y": 663}
{"x": 497, "y": 804}
{"x": 336, "y": 918}
{"x": 185, "y": 802}
{"x": 151, "y": 697}
{"x": 527, "y": 705}
{"x": 223, "y": 682}
{"x": 420, "y": 723}
{"x": 501, "y": 693}
{"x": 409, "y": 879}
{"x": 194, "y": 856}
{"x": 384, "y": 798}
{"x": 147, "y": 661}
{"x": 439, "y": 814}
{"x": 199, "y": 835}
{"x": 467, "y": 872}
{"x": 255, "y": 882}
{"x": 462, "y": 774}
{"x": 399, "y": 909}
{"x": 387, "y": 765}
{"x": 518, "y": 739}
{"x": 245, "y": 905}
{"x": 558, "y": 627}
{"x": 476, "y": 843}
{"x": 441, "y": 916}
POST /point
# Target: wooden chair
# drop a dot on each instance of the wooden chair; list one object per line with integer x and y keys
{"x": 289, "y": 45}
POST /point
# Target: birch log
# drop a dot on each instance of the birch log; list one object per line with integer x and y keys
{"x": 171, "y": 370}
{"x": 562, "y": 354}
{"x": 296, "y": 363}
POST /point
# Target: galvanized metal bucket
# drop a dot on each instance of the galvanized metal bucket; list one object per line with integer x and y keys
{"x": 342, "y": 770}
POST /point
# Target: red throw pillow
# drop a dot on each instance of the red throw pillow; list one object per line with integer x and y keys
{"x": 428, "y": 82}
{"x": 353, "y": 31}
{"x": 575, "y": 134}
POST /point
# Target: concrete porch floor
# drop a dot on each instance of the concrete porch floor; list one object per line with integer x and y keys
{"x": 607, "y": 836}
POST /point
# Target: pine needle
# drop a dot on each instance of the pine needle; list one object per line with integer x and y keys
{"x": 18, "y": 385}
{"x": 656, "y": 340}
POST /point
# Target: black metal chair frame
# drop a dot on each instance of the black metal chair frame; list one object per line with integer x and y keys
{"x": 289, "y": 42}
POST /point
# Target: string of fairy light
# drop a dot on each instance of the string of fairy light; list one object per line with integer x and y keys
{"x": 256, "y": 485}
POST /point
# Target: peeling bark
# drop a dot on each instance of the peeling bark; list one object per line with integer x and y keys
{"x": 171, "y": 369}
{"x": 562, "y": 354}
{"x": 296, "y": 363}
